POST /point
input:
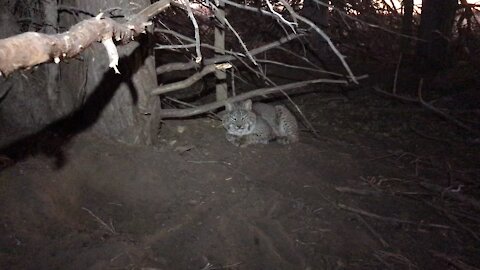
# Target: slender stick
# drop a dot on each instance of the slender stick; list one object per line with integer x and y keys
{"x": 391, "y": 219}
{"x": 309, "y": 23}
{"x": 226, "y": 58}
{"x": 199, "y": 57}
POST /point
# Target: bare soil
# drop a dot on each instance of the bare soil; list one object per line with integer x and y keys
{"x": 349, "y": 199}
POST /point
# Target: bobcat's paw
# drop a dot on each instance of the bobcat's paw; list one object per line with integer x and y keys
{"x": 232, "y": 139}
{"x": 287, "y": 140}
{"x": 239, "y": 141}
{"x": 243, "y": 142}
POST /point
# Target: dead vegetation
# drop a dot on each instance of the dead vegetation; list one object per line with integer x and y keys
{"x": 385, "y": 176}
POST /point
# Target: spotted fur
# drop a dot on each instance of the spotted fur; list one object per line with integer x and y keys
{"x": 248, "y": 123}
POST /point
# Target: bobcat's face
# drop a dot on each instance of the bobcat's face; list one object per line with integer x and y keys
{"x": 239, "y": 120}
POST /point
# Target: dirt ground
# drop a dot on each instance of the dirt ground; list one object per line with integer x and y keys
{"x": 360, "y": 195}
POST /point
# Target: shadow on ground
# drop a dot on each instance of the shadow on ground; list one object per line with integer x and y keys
{"x": 196, "y": 202}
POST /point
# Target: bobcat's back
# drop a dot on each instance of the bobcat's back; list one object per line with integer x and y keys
{"x": 267, "y": 112}
{"x": 287, "y": 125}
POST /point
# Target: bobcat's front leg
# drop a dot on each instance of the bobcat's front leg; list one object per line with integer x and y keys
{"x": 254, "y": 138}
{"x": 240, "y": 141}
{"x": 235, "y": 140}
{"x": 244, "y": 141}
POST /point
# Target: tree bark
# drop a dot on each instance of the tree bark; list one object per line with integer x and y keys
{"x": 407, "y": 25}
{"x": 120, "y": 106}
{"x": 91, "y": 97}
{"x": 53, "y": 72}
{"x": 319, "y": 15}
{"x": 316, "y": 13}
{"x": 436, "y": 29}
{"x": 24, "y": 103}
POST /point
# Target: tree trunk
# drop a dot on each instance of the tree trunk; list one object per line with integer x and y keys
{"x": 51, "y": 27}
{"x": 319, "y": 15}
{"x": 119, "y": 106}
{"x": 316, "y": 13}
{"x": 436, "y": 28}
{"x": 88, "y": 95}
{"x": 24, "y": 100}
{"x": 407, "y": 25}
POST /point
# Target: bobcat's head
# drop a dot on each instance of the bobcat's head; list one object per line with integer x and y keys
{"x": 239, "y": 119}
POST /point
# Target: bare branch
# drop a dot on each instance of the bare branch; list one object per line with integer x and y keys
{"x": 299, "y": 67}
{"x": 191, "y": 40}
{"x": 199, "y": 57}
{"x": 403, "y": 98}
{"x": 309, "y": 23}
{"x": 451, "y": 194}
{"x": 189, "y": 81}
{"x": 443, "y": 114}
{"x": 343, "y": 16}
{"x": 292, "y": 25}
{"x": 430, "y": 107}
{"x": 110, "y": 227}
{"x": 457, "y": 263}
{"x": 175, "y": 46}
{"x": 226, "y": 58}
{"x": 170, "y": 113}
{"x": 241, "y": 41}
{"x": 176, "y": 66}
{"x": 391, "y": 219}
{"x": 340, "y": 56}
{"x": 303, "y": 58}
{"x": 30, "y": 49}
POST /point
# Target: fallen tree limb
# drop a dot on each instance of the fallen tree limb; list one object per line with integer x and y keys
{"x": 429, "y": 106}
{"x": 373, "y": 231}
{"x": 455, "y": 261}
{"x": 451, "y": 194}
{"x": 170, "y": 113}
{"x": 391, "y": 219}
{"x": 443, "y": 114}
{"x": 29, "y": 49}
{"x": 452, "y": 218}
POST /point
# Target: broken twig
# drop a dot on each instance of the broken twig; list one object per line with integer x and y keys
{"x": 391, "y": 219}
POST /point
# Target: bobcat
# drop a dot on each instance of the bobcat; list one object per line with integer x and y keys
{"x": 248, "y": 123}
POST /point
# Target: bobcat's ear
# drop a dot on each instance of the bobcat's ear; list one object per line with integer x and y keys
{"x": 228, "y": 107}
{"x": 247, "y": 104}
